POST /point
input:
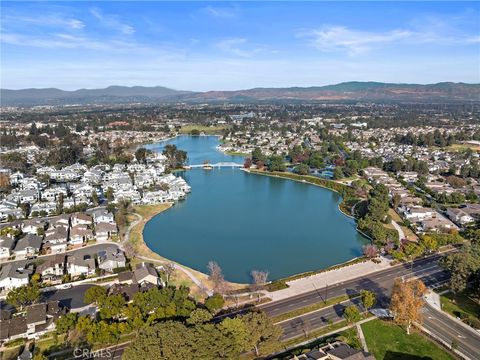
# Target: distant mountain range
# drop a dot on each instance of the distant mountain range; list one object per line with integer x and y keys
{"x": 347, "y": 91}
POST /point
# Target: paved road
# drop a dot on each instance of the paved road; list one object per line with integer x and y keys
{"x": 426, "y": 269}
{"x": 430, "y": 273}
{"x": 72, "y": 298}
{"x": 379, "y": 282}
{"x": 447, "y": 330}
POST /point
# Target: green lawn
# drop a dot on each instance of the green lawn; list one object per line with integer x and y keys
{"x": 462, "y": 306}
{"x": 388, "y": 341}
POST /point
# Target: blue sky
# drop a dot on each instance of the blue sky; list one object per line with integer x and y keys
{"x": 236, "y": 45}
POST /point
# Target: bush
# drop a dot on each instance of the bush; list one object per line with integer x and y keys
{"x": 473, "y": 322}
{"x": 276, "y": 285}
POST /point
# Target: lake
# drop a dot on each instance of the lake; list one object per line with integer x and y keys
{"x": 250, "y": 222}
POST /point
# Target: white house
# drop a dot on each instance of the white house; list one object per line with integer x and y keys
{"x": 77, "y": 266}
{"x": 13, "y": 275}
{"x": 6, "y": 246}
{"x": 459, "y": 216}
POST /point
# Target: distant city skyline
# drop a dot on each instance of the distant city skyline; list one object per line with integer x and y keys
{"x": 201, "y": 46}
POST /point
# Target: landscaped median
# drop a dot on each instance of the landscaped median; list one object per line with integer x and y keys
{"x": 313, "y": 307}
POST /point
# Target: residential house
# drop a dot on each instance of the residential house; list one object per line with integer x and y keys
{"x": 29, "y": 245}
{"x": 104, "y": 231}
{"x": 40, "y": 318}
{"x": 6, "y": 246}
{"x": 80, "y": 265}
{"x": 56, "y": 240}
{"x": 14, "y": 328}
{"x": 33, "y": 226}
{"x": 146, "y": 273}
{"x": 101, "y": 215}
{"x": 52, "y": 269}
{"x": 80, "y": 234}
{"x": 437, "y": 223}
{"x": 81, "y": 219}
{"x": 14, "y": 274}
{"x": 143, "y": 274}
{"x": 460, "y": 217}
{"x": 110, "y": 259}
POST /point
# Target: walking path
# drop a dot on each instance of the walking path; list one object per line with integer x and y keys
{"x": 187, "y": 272}
{"x": 362, "y": 337}
{"x": 401, "y": 234}
{"x": 331, "y": 277}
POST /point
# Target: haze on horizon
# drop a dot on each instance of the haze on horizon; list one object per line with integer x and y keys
{"x": 201, "y": 46}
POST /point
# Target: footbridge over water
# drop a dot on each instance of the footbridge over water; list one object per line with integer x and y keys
{"x": 216, "y": 165}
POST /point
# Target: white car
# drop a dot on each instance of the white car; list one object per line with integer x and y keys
{"x": 65, "y": 286}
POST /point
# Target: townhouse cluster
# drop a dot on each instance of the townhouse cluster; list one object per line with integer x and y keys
{"x": 79, "y": 185}
{"x": 28, "y": 238}
{"x": 410, "y": 207}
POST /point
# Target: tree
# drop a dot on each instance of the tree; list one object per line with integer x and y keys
{"x": 259, "y": 278}
{"x": 429, "y": 242}
{"x": 165, "y": 340}
{"x": 215, "y": 275}
{"x": 175, "y": 158}
{"x": 464, "y": 266}
{"x": 96, "y": 294}
{"x": 168, "y": 269}
{"x": 109, "y": 194}
{"x": 368, "y": 299}
{"x": 199, "y": 316}
{"x": 407, "y": 301}
{"x": 141, "y": 155}
{"x": 214, "y": 302}
{"x": 302, "y": 169}
{"x": 258, "y": 156}
{"x": 24, "y": 295}
{"x": 111, "y": 306}
{"x": 95, "y": 198}
{"x": 66, "y": 322}
{"x": 370, "y": 251}
{"x": 351, "y": 314}
{"x": 276, "y": 163}
{"x": 263, "y": 334}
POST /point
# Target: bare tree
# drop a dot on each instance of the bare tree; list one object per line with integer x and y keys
{"x": 215, "y": 275}
{"x": 259, "y": 279}
{"x": 169, "y": 270}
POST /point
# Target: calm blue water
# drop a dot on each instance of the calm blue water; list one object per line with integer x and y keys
{"x": 246, "y": 221}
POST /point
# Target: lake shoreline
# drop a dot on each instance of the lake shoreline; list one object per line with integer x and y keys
{"x": 188, "y": 143}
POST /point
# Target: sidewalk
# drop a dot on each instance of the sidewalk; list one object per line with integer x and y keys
{"x": 331, "y": 277}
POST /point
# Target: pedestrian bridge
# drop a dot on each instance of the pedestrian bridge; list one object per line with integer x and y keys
{"x": 216, "y": 165}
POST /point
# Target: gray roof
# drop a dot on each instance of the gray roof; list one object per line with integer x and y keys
{"x": 6, "y": 242}
{"x": 29, "y": 240}
{"x": 346, "y": 352}
{"x": 11, "y": 270}
{"x": 112, "y": 255}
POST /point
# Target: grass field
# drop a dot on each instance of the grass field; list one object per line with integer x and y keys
{"x": 388, "y": 341}
{"x": 461, "y": 305}
{"x": 210, "y": 130}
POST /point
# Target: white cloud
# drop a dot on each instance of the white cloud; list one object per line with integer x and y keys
{"x": 112, "y": 22}
{"x": 241, "y": 47}
{"x": 51, "y": 20}
{"x": 221, "y": 12}
{"x": 233, "y": 46}
{"x": 342, "y": 38}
